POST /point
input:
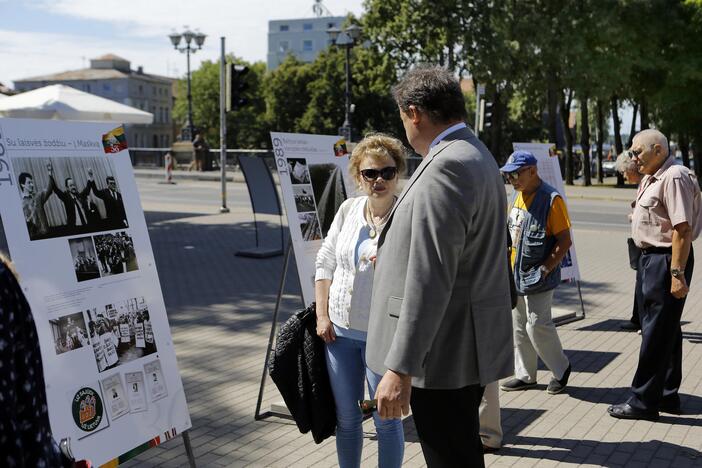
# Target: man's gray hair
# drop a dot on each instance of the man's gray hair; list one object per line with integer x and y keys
{"x": 651, "y": 136}
{"x": 625, "y": 164}
{"x": 432, "y": 90}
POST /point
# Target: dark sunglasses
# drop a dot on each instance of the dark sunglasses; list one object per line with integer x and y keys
{"x": 387, "y": 173}
{"x": 636, "y": 153}
{"x": 514, "y": 175}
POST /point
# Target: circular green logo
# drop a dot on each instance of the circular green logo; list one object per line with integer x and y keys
{"x": 87, "y": 409}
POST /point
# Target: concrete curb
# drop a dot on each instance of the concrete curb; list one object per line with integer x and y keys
{"x": 237, "y": 176}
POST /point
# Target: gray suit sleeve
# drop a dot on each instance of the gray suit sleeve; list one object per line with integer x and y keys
{"x": 439, "y": 225}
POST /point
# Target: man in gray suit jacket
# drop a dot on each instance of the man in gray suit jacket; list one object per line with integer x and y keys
{"x": 440, "y": 326}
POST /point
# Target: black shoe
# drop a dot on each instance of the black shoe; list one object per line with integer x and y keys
{"x": 488, "y": 449}
{"x": 556, "y": 386}
{"x": 630, "y": 326}
{"x": 670, "y": 407}
{"x": 516, "y": 384}
{"x": 626, "y": 411}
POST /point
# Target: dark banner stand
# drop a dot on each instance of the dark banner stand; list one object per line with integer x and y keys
{"x": 264, "y": 200}
{"x": 278, "y": 410}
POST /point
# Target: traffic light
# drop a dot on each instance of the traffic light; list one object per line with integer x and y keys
{"x": 485, "y": 115}
{"x": 236, "y": 85}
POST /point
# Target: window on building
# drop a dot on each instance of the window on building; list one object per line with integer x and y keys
{"x": 307, "y": 46}
{"x": 141, "y": 89}
{"x": 87, "y": 87}
{"x": 283, "y": 46}
{"x": 106, "y": 87}
{"x": 284, "y": 28}
{"x": 331, "y": 25}
{"x": 307, "y": 27}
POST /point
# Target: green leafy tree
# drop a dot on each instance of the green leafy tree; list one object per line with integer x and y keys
{"x": 287, "y": 95}
{"x": 245, "y": 127}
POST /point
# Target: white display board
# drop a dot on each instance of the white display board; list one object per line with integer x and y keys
{"x": 314, "y": 181}
{"x": 77, "y": 235}
{"x": 550, "y": 172}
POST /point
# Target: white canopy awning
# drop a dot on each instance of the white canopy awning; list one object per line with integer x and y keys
{"x": 65, "y": 103}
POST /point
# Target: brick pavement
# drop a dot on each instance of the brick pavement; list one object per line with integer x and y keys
{"x": 220, "y": 307}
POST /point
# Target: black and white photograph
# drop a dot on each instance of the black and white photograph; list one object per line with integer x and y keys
{"x": 309, "y": 225}
{"x": 68, "y": 196}
{"x": 85, "y": 260}
{"x": 115, "y": 253}
{"x": 120, "y": 333}
{"x": 69, "y": 333}
{"x": 329, "y": 192}
{"x": 299, "y": 173}
{"x": 304, "y": 198}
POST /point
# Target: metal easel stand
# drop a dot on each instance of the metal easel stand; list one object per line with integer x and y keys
{"x": 280, "y": 412}
{"x": 575, "y": 316}
{"x": 189, "y": 448}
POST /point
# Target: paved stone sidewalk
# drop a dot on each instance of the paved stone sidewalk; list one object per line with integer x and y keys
{"x": 220, "y": 308}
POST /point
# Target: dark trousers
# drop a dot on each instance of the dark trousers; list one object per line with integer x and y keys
{"x": 659, "y": 371}
{"x": 635, "y": 311}
{"x": 448, "y": 426}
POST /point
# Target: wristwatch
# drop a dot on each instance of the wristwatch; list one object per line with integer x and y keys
{"x": 677, "y": 273}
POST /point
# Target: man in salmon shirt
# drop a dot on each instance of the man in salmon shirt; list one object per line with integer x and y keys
{"x": 665, "y": 221}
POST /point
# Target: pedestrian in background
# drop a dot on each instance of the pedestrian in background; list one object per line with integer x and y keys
{"x": 200, "y": 153}
{"x": 665, "y": 221}
{"x": 540, "y": 231}
{"x": 343, "y": 288}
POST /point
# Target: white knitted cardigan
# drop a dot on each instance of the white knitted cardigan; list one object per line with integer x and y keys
{"x": 352, "y": 284}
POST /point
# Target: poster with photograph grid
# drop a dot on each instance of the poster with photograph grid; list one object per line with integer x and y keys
{"x": 77, "y": 235}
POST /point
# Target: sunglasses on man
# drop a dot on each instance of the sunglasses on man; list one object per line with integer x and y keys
{"x": 635, "y": 153}
{"x": 514, "y": 175}
{"x": 387, "y": 173}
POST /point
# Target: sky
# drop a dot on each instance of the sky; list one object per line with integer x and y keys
{"x": 39, "y": 37}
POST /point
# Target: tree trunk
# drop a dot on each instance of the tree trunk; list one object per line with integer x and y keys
{"x": 600, "y": 140}
{"x": 697, "y": 152}
{"x": 644, "y": 113}
{"x": 585, "y": 139}
{"x": 630, "y": 140}
{"x": 495, "y": 126}
{"x": 684, "y": 146}
{"x": 565, "y": 117}
{"x": 552, "y": 110}
{"x": 450, "y": 53}
{"x": 617, "y": 135}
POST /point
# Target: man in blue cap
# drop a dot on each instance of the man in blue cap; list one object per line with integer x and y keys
{"x": 540, "y": 230}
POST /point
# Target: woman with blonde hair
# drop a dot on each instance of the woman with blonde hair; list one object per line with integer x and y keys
{"x": 343, "y": 287}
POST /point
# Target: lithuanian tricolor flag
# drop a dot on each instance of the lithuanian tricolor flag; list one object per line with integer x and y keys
{"x": 114, "y": 141}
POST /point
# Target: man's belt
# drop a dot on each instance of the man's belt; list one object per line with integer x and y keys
{"x": 659, "y": 250}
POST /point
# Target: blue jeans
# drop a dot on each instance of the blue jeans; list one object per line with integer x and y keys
{"x": 346, "y": 363}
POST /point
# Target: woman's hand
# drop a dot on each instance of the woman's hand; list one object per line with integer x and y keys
{"x": 325, "y": 329}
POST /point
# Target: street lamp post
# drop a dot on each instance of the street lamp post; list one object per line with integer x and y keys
{"x": 346, "y": 39}
{"x": 188, "y": 36}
